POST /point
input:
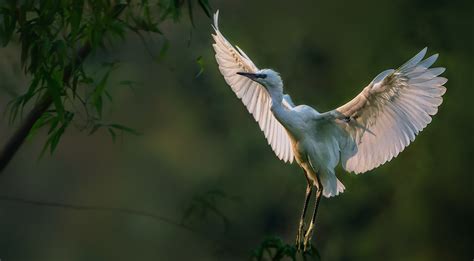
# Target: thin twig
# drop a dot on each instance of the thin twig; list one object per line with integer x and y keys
{"x": 125, "y": 211}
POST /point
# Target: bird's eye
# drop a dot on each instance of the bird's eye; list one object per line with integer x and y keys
{"x": 261, "y": 76}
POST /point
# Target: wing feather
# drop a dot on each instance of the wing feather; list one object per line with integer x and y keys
{"x": 254, "y": 96}
{"x": 387, "y": 115}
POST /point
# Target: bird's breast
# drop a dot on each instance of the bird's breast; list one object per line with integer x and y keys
{"x": 301, "y": 156}
{"x": 299, "y": 151}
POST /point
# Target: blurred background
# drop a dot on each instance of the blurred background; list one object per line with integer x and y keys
{"x": 204, "y": 167}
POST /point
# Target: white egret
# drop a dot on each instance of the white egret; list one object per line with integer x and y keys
{"x": 366, "y": 132}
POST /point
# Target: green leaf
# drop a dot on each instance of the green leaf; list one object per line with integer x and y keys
{"x": 98, "y": 104}
{"x": 109, "y": 97}
{"x": 53, "y": 124}
{"x": 124, "y": 128}
{"x": 32, "y": 89}
{"x": 206, "y": 7}
{"x": 112, "y": 134}
{"x": 95, "y": 128}
{"x": 41, "y": 122}
{"x": 56, "y": 133}
{"x": 100, "y": 89}
{"x": 163, "y": 50}
{"x": 14, "y": 106}
{"x": 116, "y": 28}
{"x": 118, "y": 8}
{"x": 76, "y": 17}
{"x": 9, "y": 25}
{"x": 200, "y": 62}
{"x": 55, "y": 90}
{"x": 190, "y": 12}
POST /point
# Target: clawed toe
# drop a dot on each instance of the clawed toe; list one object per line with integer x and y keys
{"x": 303, "y": 238}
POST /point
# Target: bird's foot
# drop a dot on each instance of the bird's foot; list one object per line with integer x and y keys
{"x": 307, "y": 238}
{"x": 300, "y": 236}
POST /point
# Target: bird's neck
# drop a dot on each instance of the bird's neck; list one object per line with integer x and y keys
{"x": 276, "y": 93}
{"x": 279, "y": 111}
{"x": 277, "y": 98}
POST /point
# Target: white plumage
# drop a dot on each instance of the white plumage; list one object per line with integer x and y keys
{"x": 395, "y": 107}
{"x": 254, "y": 96}
{"x": 366, "y": 132}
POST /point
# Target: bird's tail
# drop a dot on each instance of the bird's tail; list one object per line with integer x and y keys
{"x": 331, "y": 185}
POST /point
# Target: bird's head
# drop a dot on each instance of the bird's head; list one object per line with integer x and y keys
{"x": 270, "y": 79}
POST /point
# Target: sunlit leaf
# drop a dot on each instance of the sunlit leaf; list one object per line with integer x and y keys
{"x": 200, "y": 62}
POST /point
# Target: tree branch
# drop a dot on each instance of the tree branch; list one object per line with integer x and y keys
{"x": 17, "y": 139}
{"x": 14, "y": 143}
{"x": 125, "y": 211}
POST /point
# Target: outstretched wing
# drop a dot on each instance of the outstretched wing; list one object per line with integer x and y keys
{"x": 387, "y": 115}
{"x": 254, "y": 96}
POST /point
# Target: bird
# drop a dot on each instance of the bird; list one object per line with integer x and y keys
{"x": 366, "y": 132}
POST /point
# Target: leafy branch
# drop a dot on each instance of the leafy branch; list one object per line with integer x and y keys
{"x": 55, "y": 38}
{"x": 273, "y": 248}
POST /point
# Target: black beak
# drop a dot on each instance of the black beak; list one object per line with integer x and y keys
{"x": 252, "y": 76}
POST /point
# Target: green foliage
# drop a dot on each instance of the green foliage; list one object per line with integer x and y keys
{"x": 204, "y": 205}
{"x": 273, "y": 248}
{"x": 56, "y": 36}
{"x": 200, "y": 63}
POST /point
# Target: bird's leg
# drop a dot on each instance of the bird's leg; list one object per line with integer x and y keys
{"x": 309, "y": 232}
{"x": 299, "y": 236}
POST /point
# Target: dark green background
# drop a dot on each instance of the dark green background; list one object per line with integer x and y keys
{"x": 198, "y": 137}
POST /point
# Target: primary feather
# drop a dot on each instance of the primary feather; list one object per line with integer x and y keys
{"x": 254, "y": 96}
{"x": 394, "y": 107}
